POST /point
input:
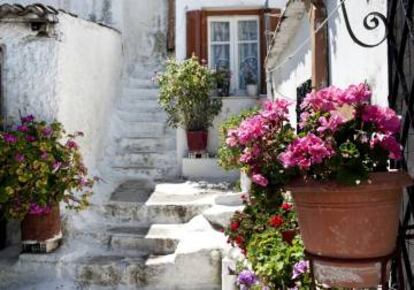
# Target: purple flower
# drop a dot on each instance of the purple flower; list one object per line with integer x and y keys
{"x": 247, "y": 279}
{"x": 19, "y": 157}
{"x": 56, "y": 166}
{"x": 30, "y": 138}
{"x": 300, "y": 268}
{"x": 72, "y": 144}
{"x": 27, "y": 119}
{"x": 9, "y": 138}
{"x": 38, "y": 210}
{"x": 44, "y": 156}
{"x": 47, "y": 132}
{"x": 23, "y": 128}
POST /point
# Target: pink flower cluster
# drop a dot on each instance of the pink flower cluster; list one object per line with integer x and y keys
{"x": 388, "y": 143}
{"x": 38, "y": 210}
{"x": 250, "y": 135}
{"x": 385, "y": 119}
{"x": 331, "y": 98}
{"x": 305, "y": 152}
{"x": 331, "y": 123}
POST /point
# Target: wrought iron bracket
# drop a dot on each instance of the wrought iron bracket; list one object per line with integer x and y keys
{"x": 371, "y": 22}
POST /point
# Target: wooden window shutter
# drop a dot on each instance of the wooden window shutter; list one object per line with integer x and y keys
{"x": 197, "y": 42}
{"x": 274, "y": 21}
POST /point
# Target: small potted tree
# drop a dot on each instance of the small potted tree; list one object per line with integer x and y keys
{"x": 251, "y": 84}
{"x": 184, "y": 95}
{"x": 41, "y": 166}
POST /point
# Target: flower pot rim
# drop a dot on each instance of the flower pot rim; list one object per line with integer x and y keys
{"x": 383, "y": 180}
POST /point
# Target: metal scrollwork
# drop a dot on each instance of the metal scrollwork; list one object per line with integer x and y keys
{"x": 371, "y": 22}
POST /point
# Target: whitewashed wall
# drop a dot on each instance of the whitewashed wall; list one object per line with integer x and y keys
{"x": 349, "y": 63}
{"x": 296, "y": 70}
{"x": 28, "y": 73}
{"x": 88, "y": 81}
{"x": 72, "y": 77}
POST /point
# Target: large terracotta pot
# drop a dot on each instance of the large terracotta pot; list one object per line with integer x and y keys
{"x": 350, "y": 222}
{"x": 197, "y": 141}
{"x": 42, "y": 234}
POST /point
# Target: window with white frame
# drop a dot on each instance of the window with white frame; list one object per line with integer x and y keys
{"x": 234, "y": 44}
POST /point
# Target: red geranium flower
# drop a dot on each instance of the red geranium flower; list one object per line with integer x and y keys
{"x": 286, "y": 206}
{"x": 276, "y": 221}
{"x": 234, "y": 226}
{"x": 239, "y": 240}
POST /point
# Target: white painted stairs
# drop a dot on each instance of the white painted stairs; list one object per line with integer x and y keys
{"x": 144, "y": 237}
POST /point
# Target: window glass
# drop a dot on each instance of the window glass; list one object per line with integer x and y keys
{"x": 220, "y": 56}
{"x": 248, "y": 64}
{"x": 247, "y": 30}
{"x": 220, "y": 31}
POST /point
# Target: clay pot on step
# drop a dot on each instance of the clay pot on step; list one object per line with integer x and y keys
{"x": 42, "y": 233}
{"x": 350, "y": 222}
{"x": 197, "y": 141}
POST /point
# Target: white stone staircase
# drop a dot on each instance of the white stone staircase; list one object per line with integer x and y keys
{"x": 144, "y": 146}
{"x": 144, "y": 237}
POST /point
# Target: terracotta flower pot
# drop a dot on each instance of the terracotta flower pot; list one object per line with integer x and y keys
{"x": 350, "y": 222}
{"x": 197, "y": 141}
{"x": 41, "y": 233}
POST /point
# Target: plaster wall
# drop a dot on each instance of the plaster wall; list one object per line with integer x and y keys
{"x": 351, "y": 63}
{"x": 88, "y": 81}
{"x": 295, "y": 71}
{"x": 28, "y": 73}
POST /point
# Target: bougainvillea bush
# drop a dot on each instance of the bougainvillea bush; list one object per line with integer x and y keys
{"x": 260, "y": 139}
{"x": 343, "y": 136}
{"x": 41, "y": 166}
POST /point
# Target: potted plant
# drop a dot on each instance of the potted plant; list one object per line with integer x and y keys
{"x": 184, "y": 95}
{"x": 251, "y": 84}
{"x": 223, "y": 81}
{"x": 348, "y": 203}
{"x": 41, "y": 166}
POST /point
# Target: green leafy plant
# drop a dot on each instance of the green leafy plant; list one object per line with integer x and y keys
{"x": 41, "y": 166}
{"x": 274, "y": 260}
{"x": 184, "y": 95}
{"x": 228, "y": 157}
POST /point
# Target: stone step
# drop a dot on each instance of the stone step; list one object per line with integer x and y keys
{"x": 144, "y": 129}
{"x": 138, "y": 190}
{"x": 148, "y": 214}
{"x": 147, "y": 116}
{"x": 157, "y": 240}
{"x": 139, "y": 83}
{"x": 139, "y": 105}
{"x": 111, "y": 270}
{"x": 138, "y": 94}
{"x": 157, "y": 174}
{"x": 142, "y": 160}
{"x": 147, "y": 145}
